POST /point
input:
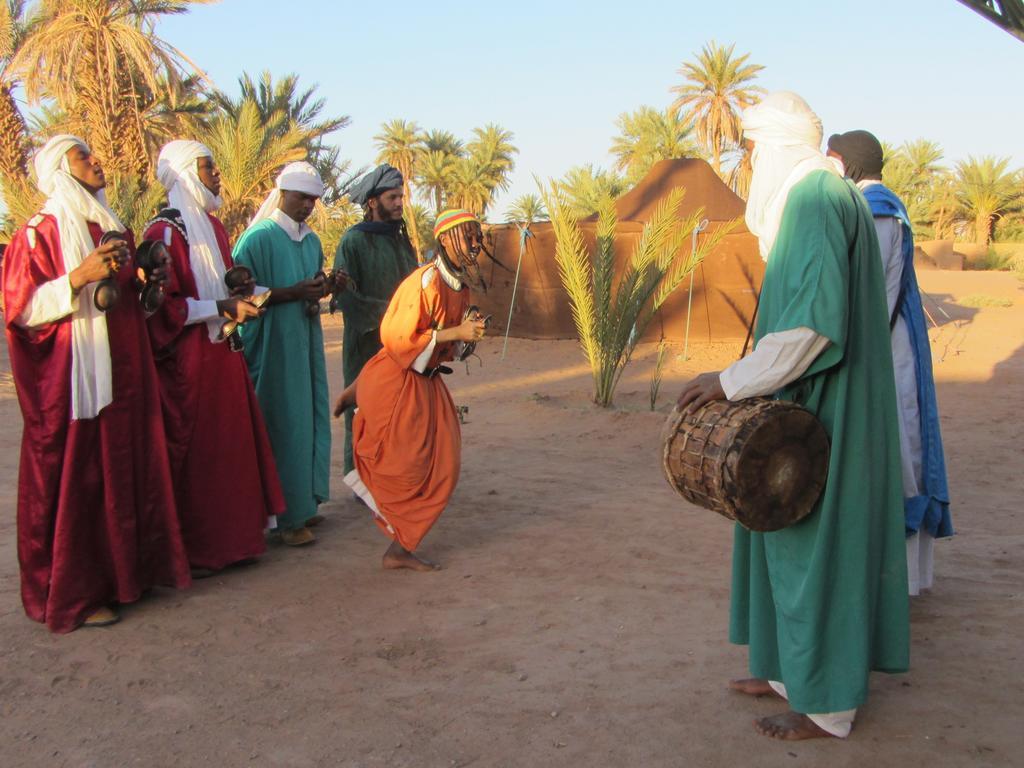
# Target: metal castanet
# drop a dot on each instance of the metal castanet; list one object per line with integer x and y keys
{"x": 760, "y": 462}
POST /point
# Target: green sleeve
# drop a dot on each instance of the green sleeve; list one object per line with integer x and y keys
{"x": 362, "y": 313}
{"x": 248, "y": 252}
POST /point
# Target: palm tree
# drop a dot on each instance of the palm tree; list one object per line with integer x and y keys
{"x": 399, "y": 143}
{"x": 717, "y": 87}
{"x": 986, "y": 190}
{"x": 493, "y": 152}
{"x": 439, "y": 154}
{"x": 331, "y": 219}
{"x": 470, "y": 186}
{"x": 442, "y": 141}
{"x": 647, "y": 136}
{"x": 250, "y": 150}
{"x": 101, "y": 60}
{"x": 303, "y": 110}
{"x": 19, "y": 196}
{"x": 526, "y": 210}
{"x": 741, "y": 171}
{"x": 435, "y": 173}
{"x": 585, "y": 186}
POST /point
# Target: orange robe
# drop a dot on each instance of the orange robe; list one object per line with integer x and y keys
{"x": 406, "y": 437}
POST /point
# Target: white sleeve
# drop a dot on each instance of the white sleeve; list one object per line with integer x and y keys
{"x": 890, "y": 240}
{"x": 420, "y": 363}
{"x": 50, "y": 302}
{"x": 778, "y": 359}
{"x": 201, "y": 310}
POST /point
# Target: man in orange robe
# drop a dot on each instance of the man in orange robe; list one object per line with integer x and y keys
{"x": 406, "y": 436}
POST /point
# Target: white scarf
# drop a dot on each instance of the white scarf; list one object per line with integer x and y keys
{"x": 296, "y": 177}
{"x": 787, "y": 139}
{"x": 176, "y": 170}
{"x": 73, "y": 207}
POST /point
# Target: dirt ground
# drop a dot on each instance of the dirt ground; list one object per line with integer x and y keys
{"x": 580, "y": 619}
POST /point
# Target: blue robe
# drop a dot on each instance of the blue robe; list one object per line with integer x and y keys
{"x": 930, "y": 509}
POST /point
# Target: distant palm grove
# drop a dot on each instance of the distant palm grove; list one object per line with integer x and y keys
{"x": 96, "y": 69}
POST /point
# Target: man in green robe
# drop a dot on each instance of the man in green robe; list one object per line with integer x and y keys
{"x": 377, "y": 255}
{"x": 285, "y": 347}
{"x": 823, "y": 602}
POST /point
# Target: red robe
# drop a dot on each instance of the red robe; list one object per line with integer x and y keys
{"x": 96, "y": 516}
{"x": 406, "y": 435}
{"x": 223, "y": 468}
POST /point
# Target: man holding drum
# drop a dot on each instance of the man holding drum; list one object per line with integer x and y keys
{"x": 823, "y": 602}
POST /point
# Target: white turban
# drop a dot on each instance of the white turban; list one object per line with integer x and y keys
{"x": 176, "y": 170}
{"x": 787, "y": 146}
{"x": 73, "y": 206}
{"x": 294, "y": 177}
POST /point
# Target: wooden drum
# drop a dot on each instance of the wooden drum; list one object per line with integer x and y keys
{"x": 760, "y": 462}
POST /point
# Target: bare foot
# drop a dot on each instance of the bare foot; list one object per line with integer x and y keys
{"x": 398, "y": 556}
{"x": 753, "y": 686}
{"x": 790, "y": 726}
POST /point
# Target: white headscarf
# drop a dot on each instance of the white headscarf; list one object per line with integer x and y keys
{"x": 787, "y": 146}
{"x": 73, "y": 207}
{"x": 296, "y": 177}
{"x": 176, "y": 170}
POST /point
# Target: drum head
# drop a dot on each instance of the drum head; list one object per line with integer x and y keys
{"x": 779, "y": 472}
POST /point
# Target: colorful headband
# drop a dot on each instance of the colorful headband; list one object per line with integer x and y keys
{"x": 452, "y": 218}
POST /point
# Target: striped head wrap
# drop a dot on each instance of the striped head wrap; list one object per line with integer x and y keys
{"x": 451, "y": 218}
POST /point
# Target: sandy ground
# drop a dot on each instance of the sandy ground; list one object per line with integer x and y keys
{"x": 580, "y": 620}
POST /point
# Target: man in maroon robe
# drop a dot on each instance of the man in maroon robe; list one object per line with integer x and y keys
{"x": 221, "y": 461}
{"x": 96, "y": 516}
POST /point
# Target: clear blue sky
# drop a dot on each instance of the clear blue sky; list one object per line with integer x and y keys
{"x": 558, "y": 74}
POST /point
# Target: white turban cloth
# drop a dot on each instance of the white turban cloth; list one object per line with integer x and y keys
{"x": 73, "y": 206}
{"x": 176, "y": 170}
{"x": 294, "y": 177}
{"x": 787, "y": 147}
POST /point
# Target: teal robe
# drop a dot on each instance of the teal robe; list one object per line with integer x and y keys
{"x": 824, "y": 602}
{"x": 377, "y": 261}
{"x": 285, "y": 352}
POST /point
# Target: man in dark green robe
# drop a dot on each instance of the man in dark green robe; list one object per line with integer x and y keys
{"x": 822, "y": 602}
{"x": 377, "y": 255}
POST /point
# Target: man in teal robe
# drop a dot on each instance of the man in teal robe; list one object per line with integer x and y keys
{"x": 285, "y": 347}
{"x": 823, "y": 602}
{"x": 377, "y": 256}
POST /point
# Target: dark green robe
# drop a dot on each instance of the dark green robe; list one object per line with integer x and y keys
{"x": 285, "y": 352}
{"x": 824, "y": 602}
{"x": 377, "y": 264}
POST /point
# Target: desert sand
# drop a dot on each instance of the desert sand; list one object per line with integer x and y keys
{"x": 581, "y": 616}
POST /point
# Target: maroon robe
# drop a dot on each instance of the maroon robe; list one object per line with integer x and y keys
{"x": 96, "y": 516}
{"x": 223, "y": 468}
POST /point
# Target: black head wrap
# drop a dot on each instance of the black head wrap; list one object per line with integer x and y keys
{"x": 379, "y": 180}
{"x": 861, "y": 153}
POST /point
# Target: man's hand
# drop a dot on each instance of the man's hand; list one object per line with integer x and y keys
{"x": 246, "y": 289}
{"x": 339, "y": 281}
{"x": 238, "y": 310}
{"x": 701, "y": 390}
{"x": 159, "y": 275}
{"x": 99, "y": 265}
{"x": 472, "y": 328}
{"x": 310, "y": 290}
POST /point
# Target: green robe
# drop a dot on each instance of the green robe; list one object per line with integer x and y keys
{"x": 285, "y": 352}
{"x": 824, "y": 602}
{"x": 377, "y": 264}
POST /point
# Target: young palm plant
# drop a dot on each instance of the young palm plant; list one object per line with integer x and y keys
{"x": 611, "y": 311}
